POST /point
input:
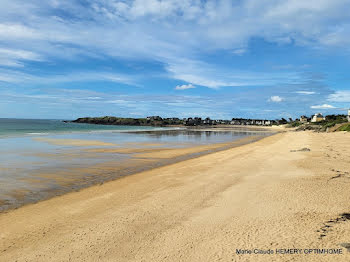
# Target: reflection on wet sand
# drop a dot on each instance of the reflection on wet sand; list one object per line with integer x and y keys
{"x": 95, "y": 161}
{"x": 138, "y": 144}
{"x": 125, "y": 150}
{"x": 73, "y": 142}
{"x": 199, "y": 133}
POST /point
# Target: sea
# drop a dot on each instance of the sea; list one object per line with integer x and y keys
{"x": 42, "y": 158}
{"x": 20, "y": 127}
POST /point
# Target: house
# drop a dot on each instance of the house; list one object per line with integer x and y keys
{"x": 236, "y": 121}
{"x": 241, "y": 121}
{"x": 207, "y": 121}
{"x": 348, "y": 115}
{"x": 197, "y": 121}
{"x": 303, "y": 119}
{"x": 317, "y": 118}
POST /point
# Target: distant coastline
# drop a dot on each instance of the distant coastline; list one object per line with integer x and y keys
{"x": 174, "y": 121}
{"x": 317, "y": 123}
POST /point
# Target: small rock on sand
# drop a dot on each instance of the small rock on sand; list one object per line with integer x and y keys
{"x": 305, "y": 149}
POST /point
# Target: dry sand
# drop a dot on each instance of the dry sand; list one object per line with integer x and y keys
{"x": 259, "y": 195}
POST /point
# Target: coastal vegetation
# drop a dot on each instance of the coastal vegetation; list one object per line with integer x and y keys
{"x": 330, "y": 123}
{"x": 345, "y": 127}
{"x": 111, "y": 120}
{"x": 327, "y": 123}
{"x": 174, "y": 121}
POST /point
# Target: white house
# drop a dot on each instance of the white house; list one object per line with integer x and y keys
{"x": 317, "y": 118}
{"x": 348, "y": 115}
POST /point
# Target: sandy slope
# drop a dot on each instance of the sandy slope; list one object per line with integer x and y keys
{"x": 259, "y": 195}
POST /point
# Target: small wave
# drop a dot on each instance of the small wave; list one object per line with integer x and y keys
{"x": 93, "y": 131}
{"x": 37, "y": 134}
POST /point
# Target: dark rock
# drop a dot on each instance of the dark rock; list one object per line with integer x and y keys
{"x": 305, "y": 149}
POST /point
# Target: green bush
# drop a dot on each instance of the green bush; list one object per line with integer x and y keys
{"x": 295, "y": 124}
{"x": 345, "y": 127}
{"x": 330, "y": 124}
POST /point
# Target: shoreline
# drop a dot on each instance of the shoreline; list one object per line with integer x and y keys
{"x": 143, "y": 160}
{"x": 149, "y": 129}
{"x": 260, "y": 195}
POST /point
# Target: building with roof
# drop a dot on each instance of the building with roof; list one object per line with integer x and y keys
{"x": 317, "y": 118}
{"x": 303, "y": 119}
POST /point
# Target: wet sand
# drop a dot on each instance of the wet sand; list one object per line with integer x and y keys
{"x": 74, "y": 142}
{"x": 263, "y": 195}
{"x": 111, "y": 162}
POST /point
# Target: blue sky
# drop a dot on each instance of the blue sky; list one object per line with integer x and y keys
{"x": 220, "y": 58}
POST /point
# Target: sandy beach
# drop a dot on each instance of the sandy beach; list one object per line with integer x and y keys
{"x": 267, "y": 195}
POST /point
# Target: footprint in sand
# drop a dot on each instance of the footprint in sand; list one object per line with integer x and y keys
{"x": 330, "y": 223}
{"x": 345, "y": 245}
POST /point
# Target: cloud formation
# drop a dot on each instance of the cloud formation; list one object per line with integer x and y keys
{"x": 210, "y": 43}
{"x": 165, "y": 31}
{"x": 340, "y": 96}
{"x": 184, "y": 87}
{"x": 306, "y": 92}
{"x": 276, "y": 99}
{"x": 324, "y": 106}
{"x": 18, "y": 77}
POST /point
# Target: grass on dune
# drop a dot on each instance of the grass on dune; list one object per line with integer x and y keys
{"x": 345, "y": 127}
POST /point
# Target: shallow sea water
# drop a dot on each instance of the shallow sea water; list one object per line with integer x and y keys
{"x": 48, "y": 162}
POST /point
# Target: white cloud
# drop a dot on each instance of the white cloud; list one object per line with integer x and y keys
{"x": 340, "y": 96}
{"x": 324, "y": 106}
{"x": 184, "y": 87}
{"x": 14, "y": 57}
{"x": 239, "y": 51}
{"x": 305, "y": 92}
{"x": 15, "y": 31}
{"x": 276, "y": 99}
{"x": 18, "y": 77}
